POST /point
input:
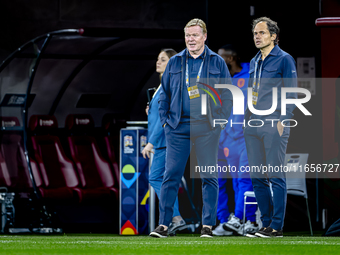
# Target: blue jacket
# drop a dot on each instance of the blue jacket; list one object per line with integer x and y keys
{"x": 214, "y": 71}
{"x": 155, "y": 130}
{"x": 278, "y": 71}
{"x": 241, "y": 81}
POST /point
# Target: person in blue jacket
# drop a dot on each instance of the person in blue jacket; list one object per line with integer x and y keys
{"x": 232, "y": 151}
{"x": 266, "y": 141}
{"x": 189, "y": 82}
{"x": 156, "y": 141}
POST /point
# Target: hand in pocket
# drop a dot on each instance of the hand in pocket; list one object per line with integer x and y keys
{"x": 280, "y": 128}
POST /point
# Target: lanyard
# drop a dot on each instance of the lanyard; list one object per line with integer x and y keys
{"x": 260, "y": 72}
{"x": 187, "y": 70}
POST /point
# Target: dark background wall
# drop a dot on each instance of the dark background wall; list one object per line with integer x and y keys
{"x": 228, "y": 21}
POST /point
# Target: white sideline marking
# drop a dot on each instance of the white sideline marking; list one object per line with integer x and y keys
{"x": 181, "y": 243}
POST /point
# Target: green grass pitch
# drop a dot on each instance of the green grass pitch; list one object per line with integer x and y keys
{"x": 181, "y": 244}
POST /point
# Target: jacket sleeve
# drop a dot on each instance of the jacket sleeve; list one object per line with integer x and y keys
{"x": 289, "y": 80}
{"x": 157, "y": 129}
{"x": 165, "y": 96}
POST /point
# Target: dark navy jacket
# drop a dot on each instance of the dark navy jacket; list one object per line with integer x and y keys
{"x": 278, "y": 71}
{"x": 214, "y": 71}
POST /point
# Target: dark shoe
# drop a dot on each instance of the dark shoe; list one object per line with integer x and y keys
{"x": 206, "y": 232}
{"x": 159, "y": 232}
{"x": 176, "y": 226}
{"x": 268, "y": 233}
{"x": 252, "y": 235}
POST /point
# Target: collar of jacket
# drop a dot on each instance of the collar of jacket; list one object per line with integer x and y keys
{"x": 275, "y": 51}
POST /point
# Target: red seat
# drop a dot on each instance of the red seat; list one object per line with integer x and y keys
{"x": 96, "y": 178}
{"x": 112, "y": 157}
{"x": 5, "y": 180}
{"x": 59, "y": 178}
{"x": 13, "y": 161}
{"x": 112, "y": 127}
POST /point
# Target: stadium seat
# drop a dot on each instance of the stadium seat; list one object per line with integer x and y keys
{"x": 59, "y": 178}
{"x": 296, "y": 180}
{"x": 5, "y": 180}
{"x": 111, "y": 144}
{"x": 112, "y": 127}
{"x": 245, "y": 203}
{"x": 112, "y": 157}
{"x": 13, "y": 161}
{"x": 96, "y": 178}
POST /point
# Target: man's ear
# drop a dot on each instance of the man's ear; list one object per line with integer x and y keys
{"x": 273, "y": 37}
{"x": 205, "y": 36}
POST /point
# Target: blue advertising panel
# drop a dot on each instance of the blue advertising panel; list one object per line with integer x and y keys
{"x": 134, "y": 185}
{"x": 143, "y": 185}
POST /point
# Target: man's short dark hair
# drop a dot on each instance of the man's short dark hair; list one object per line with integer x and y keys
{"x": 234, "y": 52}
{"x": 272, "y": 27}
{"x": 231, "y": 48}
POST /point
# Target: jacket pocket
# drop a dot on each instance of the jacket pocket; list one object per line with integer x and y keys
{"x": 270, "y": 72}
{"x": 214, "y": 77}
{"x": 175, "y": 77}
{"x": 270, "y": 75}
{"x": 214, "y": 72}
